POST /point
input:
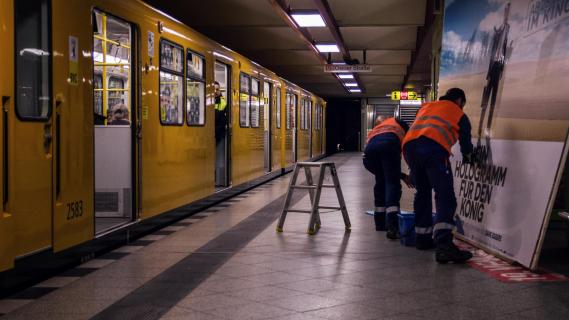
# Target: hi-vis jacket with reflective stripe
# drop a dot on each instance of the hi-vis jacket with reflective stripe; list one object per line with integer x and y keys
{"x": 388, "y": 125}
{"x": 437, "y": 121}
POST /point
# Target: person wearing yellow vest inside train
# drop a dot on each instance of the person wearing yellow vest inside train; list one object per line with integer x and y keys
{"x": 427, "y": 148}
{"x": 382, "y": 157}
{"x": 220, "y": 113}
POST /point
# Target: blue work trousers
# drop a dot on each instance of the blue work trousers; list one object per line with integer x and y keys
{"x": 430, "y": 169}
{"x": 382, "y": 157}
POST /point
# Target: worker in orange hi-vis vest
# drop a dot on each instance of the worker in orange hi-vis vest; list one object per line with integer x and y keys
{"x": 382, "y": 157}
{"x": 427, "y": 148}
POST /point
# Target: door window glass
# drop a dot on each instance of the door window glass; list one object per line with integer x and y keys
{"x": 32, "y": 59}
{"x": 255, "y": 103}
{"x": 171, "y": 83}
{"x": 244, "y": 102}
{"x": 112, "y": 61}
{"x": 278, "y": 108}
{"x": 195, "y": 89}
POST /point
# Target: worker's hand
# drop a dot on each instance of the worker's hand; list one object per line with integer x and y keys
{"x": 407, "y": 180}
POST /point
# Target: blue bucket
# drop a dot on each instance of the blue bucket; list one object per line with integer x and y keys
{"x": 407, "y": 227}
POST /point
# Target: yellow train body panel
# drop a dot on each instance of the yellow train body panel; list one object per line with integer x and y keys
{"x": 48, "y": 194}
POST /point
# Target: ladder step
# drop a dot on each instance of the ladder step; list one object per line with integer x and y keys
{"x": 303, "y": 187}
{"x": 299, "y": 210}
{"x": 330, "y": 208}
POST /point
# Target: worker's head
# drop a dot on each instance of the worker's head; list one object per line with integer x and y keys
{"x": 217, "y": 88}
{"x": 379, "y": 120}
{"x": 455, "y": 95}
{"x": 120, "y": 112}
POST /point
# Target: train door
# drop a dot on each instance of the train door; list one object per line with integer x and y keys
{"x": 309, "y": 127}
{"x": 7, "y": 93}
{"x": 222, "y": 75}
{"x": 294, "y": 118}
{"x": 29, "y": 150}
{"x": 267, "y": 107}
{"x": 113, "y": 130}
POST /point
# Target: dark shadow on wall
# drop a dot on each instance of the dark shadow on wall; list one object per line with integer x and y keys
{"x": 343, "y": 124}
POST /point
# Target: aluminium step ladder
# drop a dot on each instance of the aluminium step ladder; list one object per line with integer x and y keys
{"x": 315, "y": 192}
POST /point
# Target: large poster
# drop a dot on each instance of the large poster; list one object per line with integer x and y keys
{"x": 512, "y": 60}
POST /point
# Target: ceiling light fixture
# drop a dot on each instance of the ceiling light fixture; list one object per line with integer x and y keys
{"x": 355, "y": 90}
{"x": 346, "y": 76}
{"x": 308, "y": 18}
{"x": 329, "y": 47}
{"x": 351, "y": 84}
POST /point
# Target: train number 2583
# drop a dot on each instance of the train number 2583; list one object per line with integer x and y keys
{"x": 74, "y": 209}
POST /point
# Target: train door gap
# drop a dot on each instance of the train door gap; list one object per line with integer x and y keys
{"x": 113, "y": 130}
{"x": 267, "y": 134}
{"x": 223, "y": 129}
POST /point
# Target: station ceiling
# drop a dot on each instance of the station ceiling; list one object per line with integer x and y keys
{"x": 392, "y": 33}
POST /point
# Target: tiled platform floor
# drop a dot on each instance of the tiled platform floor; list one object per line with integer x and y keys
{"x": 229, "y": 263}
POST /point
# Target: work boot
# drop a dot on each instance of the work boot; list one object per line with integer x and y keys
{"x": 449, "y": 252}
{"x": 392, "y": 226}
{"x": 379, "y": 218}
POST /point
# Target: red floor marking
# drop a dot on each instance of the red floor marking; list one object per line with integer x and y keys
{"x": 505, "y": 271}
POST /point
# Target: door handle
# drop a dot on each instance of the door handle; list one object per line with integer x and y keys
{"x": 47, "y": 137}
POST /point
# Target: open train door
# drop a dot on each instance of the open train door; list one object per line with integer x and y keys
{"x": 7, "y": 93}
{"x": 114, "y": 117}
{"x": 222, "y": 75}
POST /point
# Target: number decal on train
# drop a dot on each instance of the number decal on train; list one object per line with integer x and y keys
{"x": 74, "y": 209}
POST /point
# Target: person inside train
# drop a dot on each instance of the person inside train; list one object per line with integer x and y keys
{"x": 427, "y": 148}
{"x": 382, "y": 157}
{"x": 120, "y": 116}
{"x": 220, "y": 113}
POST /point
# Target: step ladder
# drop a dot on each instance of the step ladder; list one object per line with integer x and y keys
{"x": 315, "y": 192}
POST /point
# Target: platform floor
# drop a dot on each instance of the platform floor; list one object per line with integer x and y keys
{"x": 229, "y": 263}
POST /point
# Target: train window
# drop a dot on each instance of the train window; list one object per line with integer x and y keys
{"x": 171, "y": 83}
{"x": 255, "y": 113}
{"x": 195, "y": 89}
{"x": 278, "y": 108}
{"x": 290, "y": 112}
{"x": 244, "y": 100}
{"x": 32, "y": 59}
{"x": 112, "y": 71}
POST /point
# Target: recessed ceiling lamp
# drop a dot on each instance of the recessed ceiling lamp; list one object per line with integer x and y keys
{"x": 355, "y": 90}
{"x": 346, "y": 76}
{"x": 308, "y": 18}
{"x": 322, "y": 47}
{"x": 351, "y": 84}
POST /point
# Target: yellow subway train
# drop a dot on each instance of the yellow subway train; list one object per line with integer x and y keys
{"x": 109, "y": 113}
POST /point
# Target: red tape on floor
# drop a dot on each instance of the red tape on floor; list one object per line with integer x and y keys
{"x": 505, "y": 271}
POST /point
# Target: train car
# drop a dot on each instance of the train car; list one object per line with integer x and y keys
{"x": 109, "y": 120}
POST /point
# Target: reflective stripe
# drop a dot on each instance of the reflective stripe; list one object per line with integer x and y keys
{"x": 442, "y": 131}
{"x": 428, "y": 230}
{"x": 443, "y": 226}
{"x": 379, "y": 209}
{"x": 446, "y": 123}
{"x": 392, "y": 209}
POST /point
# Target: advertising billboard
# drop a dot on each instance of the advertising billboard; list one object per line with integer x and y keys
{"x": 512, "y": 60}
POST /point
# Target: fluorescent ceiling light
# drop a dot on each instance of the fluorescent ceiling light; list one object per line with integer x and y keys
{"x": 339, "y": 63}
{"x": 355, "y": 90}
{"x": 347, "y": 76}
{"x": 327, "y": 48}
{"x": 351, "y": 84}
{"x": 308, "y": 19}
